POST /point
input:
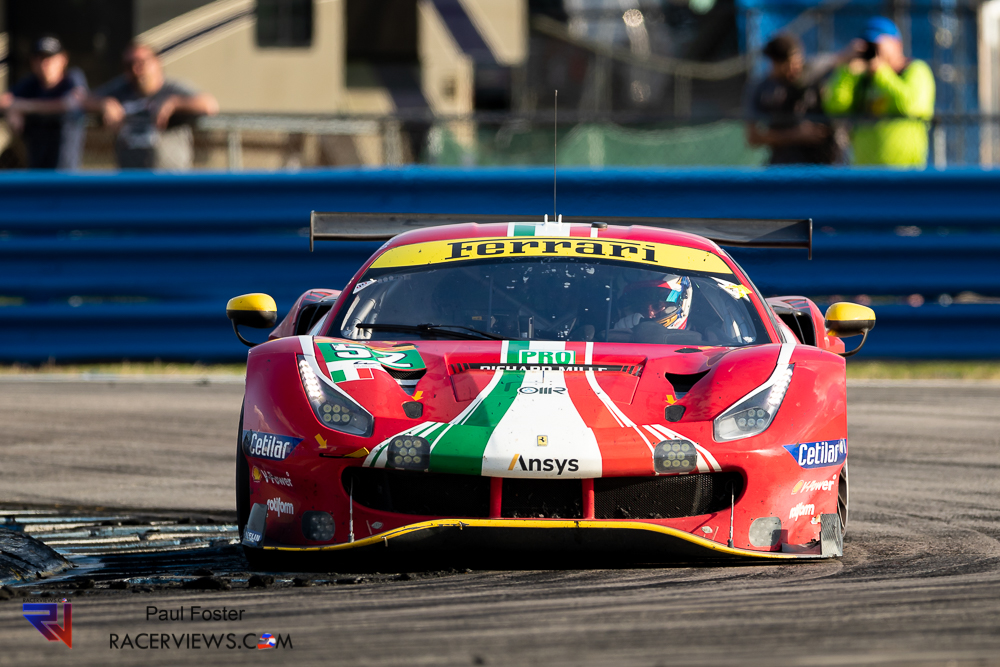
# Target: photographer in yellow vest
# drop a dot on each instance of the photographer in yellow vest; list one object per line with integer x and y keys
{"x": 891, "y": 95}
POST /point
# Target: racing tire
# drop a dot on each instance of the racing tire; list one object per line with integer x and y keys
{"x": 843, "y": 500}
{"x": 259, "y": 560}
{"x": 242, "y": 481}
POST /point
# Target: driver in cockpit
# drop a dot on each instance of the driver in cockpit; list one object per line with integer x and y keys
{"x": 666, "y": 302}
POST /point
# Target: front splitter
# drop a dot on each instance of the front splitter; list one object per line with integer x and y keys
{"x": 590, "y": 536}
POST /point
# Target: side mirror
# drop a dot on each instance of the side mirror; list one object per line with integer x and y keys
{"x": 252, "y": 310}
{"x": 849, "y": 319}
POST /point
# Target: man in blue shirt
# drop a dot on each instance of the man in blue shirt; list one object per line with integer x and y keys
{"x": 46, "y": 108}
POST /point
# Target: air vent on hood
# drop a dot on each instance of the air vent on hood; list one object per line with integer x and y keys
{"x": 406, "y": 379}
{"x": 405, "y": 375}
{"x": 682, "y": 383}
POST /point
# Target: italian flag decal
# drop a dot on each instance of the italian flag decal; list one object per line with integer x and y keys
{"x": 350, "y": 361}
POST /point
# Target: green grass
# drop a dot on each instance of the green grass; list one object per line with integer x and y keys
{"x": 923, "y": 370}
{"x": 127, "y": 368}
{"x": 856, "y": 370}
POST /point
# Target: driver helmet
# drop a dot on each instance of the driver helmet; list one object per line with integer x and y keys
{"x": 666, "y": 300}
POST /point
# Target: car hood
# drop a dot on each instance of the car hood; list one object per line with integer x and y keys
{"x": 541, "y": 408}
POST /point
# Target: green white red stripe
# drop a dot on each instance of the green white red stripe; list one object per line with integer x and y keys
{"x": 529, "y": 414}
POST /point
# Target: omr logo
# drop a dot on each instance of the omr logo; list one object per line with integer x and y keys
{"x": 45, "y": 618}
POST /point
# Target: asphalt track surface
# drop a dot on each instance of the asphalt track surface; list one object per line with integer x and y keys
{"x": 919, "y": 583}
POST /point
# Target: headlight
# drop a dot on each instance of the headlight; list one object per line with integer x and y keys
{"x": 333, "y": 408}
{"x": 754, "y": 413}
{"x": 408, "y": 452}
{"x": 318, "y": 526}
{"x": 675, "y": 456}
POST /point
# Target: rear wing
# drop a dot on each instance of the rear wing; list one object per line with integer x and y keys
{"x": 724, "y": 231}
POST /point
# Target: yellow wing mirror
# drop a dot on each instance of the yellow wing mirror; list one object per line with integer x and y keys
{"x": 850, "y": 319}
{"x": 252, "y": 310}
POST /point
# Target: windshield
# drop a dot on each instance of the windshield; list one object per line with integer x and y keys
{"x": 560, "y": 299}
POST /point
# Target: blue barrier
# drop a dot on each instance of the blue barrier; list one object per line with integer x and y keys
{"x": 140, "y": 265}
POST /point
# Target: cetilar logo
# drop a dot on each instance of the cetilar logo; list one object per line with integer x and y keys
{"x": 819, "y": 454}
{"x": 267, "y": 640}
{"x": 45, "y": 618}
{"x": 268, "y": 445}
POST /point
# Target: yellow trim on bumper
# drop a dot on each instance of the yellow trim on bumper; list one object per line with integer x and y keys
{"x": 553, "y": 523}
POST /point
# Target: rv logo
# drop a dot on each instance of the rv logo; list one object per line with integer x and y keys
{"x": 45, "y": 618}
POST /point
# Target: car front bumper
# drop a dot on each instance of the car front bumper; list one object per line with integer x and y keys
{"x": 637, "y": 539}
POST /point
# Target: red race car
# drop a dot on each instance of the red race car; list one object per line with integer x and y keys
{"x": 610, "y": 386}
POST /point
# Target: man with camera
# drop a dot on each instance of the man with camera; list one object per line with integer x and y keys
{"x": 784, "y": 109}
{"x": 891, "y": 95}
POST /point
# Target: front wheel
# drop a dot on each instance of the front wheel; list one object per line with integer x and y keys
{"x": 843, "y": 500}
{"x": 259, "y": 559}
{"x": 242, "y": 481}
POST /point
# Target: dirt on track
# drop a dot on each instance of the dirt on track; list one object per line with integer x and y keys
{"x": 919, "y": 583}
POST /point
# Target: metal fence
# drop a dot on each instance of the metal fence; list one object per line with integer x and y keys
{"x": 585, "y": 139}
{"x": 271, "y": 142}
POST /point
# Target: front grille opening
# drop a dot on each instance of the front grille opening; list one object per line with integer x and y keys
{"x": 468, "y": 496}
{"x": 542, "y": 499}
{"x": 420, "y": 493}
{"x": 664, "y": 497}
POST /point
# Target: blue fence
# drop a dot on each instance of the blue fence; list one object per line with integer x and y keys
{"x": 140, "y": 266}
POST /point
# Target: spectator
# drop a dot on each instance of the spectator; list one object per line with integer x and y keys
{"x": 45, "y": 107}
{"x": 788, "y": 102}
{"x": 879, "y": 81}
{"x": 151, "y": 115}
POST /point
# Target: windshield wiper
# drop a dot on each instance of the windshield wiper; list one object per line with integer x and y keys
{"x": 440, "y": 329}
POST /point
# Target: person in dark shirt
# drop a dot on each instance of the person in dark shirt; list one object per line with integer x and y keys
{"x": 788, "y": 105}
{"x": 45, "y": 107}
{"x": 151, "y": 115}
